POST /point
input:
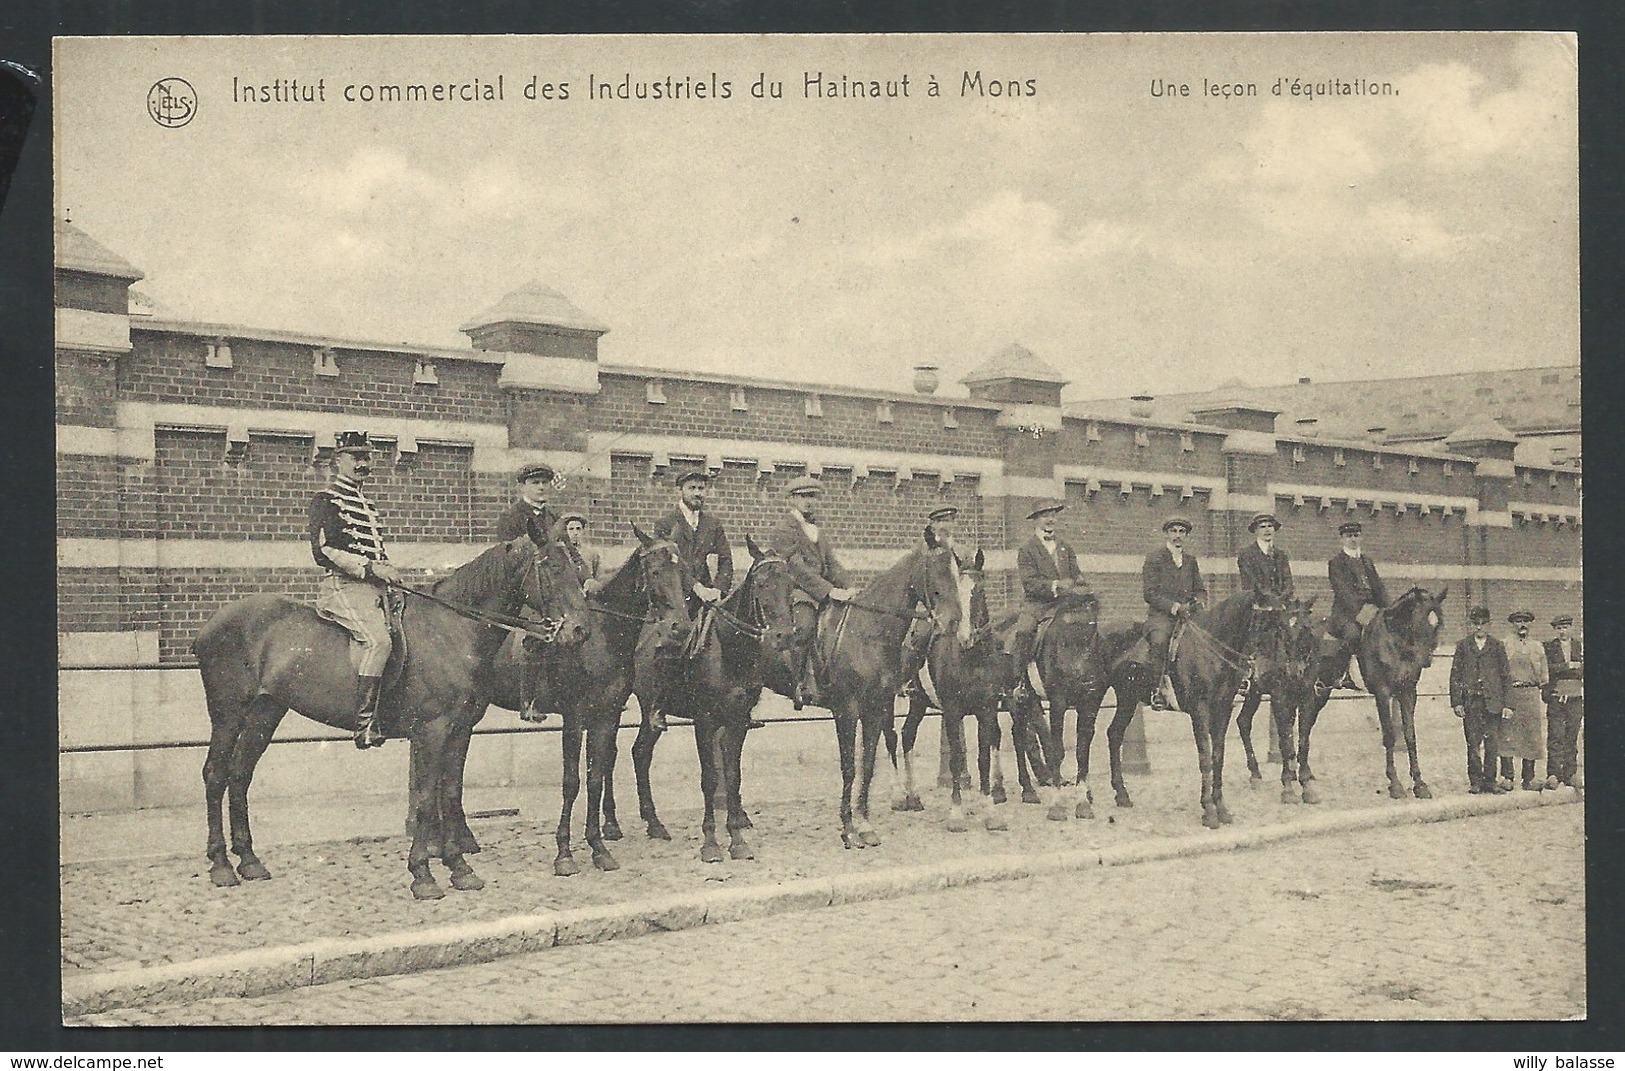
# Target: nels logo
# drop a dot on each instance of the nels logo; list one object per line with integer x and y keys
{"x": 172, "y": 102}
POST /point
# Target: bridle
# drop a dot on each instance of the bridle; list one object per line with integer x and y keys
{"x": 546, "y": 629}
{"x": 754, "y": 624}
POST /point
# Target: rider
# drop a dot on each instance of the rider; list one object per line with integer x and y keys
{"x": 708, "y": 564}
{"x": 529, "y": 515}
{"x": 1263, "y": 566}
{"x": 1355, "y": 586}
{"x": 569, "y": 534}
{"x": 1173, "y": 589}
{"x": 1047, "y": 568}
{"x": 940, "y": 522}
{"x": 818, "y": 578}
{"x": 347, "y": 541}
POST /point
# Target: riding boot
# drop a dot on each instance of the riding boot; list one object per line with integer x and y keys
{"x": 367, "y": 733}
{"x": 1022, "y": 658}
{"x": 808, "y": 687}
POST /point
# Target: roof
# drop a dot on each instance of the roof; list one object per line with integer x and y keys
{"x": 78, "y": 251}
{"x": 1481, "y": 429}
{"x": 1015, "y": 361}
{"x": 1411, "y": 409}
{"x": 534, "y": 303}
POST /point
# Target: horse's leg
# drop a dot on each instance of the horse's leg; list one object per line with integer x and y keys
{"x": 643, "y": 752}
{"x": 216, "y": 775}
{"x": 1029, "y": 760}
{"x": 263, "y": 715}
{"x": 1244, "y": 725}
{"x": 1221, "y": 729}
{"x": 429, "y": 744}
{"x": 1390, "y": 736}
{"x": 1314, "y": 703}
{"x": 564, "y": 864}
{"x": 1407, "y": 721}
{"x": 1283, "y": 710}
{"x": 1116, "y": 730}
{"x": 910, "y": 799}
{"x": 984, "y": 753}
{"x": 460, "y": 840}
{"x": 705, "y": 730}
{"x": 610, "y": 826}
{"x": 869, "y": 723}
{"x": 1087, "y": 713}
{"x": 954, "y": 725}
{"x": 846, "y": 727}
{"x": 602, "y": 727}
{"x": 1204, "y": 759}
{"x": 729, "y": 743}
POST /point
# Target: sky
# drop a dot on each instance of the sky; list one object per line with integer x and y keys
{"x": 1136, "y": 241}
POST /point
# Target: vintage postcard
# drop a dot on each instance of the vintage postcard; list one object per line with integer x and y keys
{"x": 950, "y": 443}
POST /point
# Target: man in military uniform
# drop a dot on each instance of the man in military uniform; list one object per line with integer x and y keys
{"x": 1357, "y": 595}
{"x": 571, "y": 535}
{"x": 917, "y": 642}
{"x": 1480, "y": 687}
{"x": 347, "y": 541}
{"x": 708, "y": 564}
{"x": 529, "y": 514}
{"x": 1565, "y": 703}
{"x": 1171, "y": 583}
{"x": 819, "y": 577}
{"x": 1047, "y": 569}
{"x": 1523, "y": 736}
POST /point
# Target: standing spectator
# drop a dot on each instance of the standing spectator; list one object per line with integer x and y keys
{"x": 1479, "y": 687}
{"x": 1565, "y": 704}
{"x": 1524, "y": 736}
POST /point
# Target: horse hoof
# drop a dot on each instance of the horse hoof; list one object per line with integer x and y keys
{"x": 711, "y": 852}
{"x": 1030, "y": 796}
{"x": 999, "y": 795}
{"x": 1288, "y": 795}
{"x": 1225, "y": 817}
{"x": 740, "y": 850}
{"x": 427, "y": 890}
{"x": 900, "y": 805}
{"x": 915, "y": 803}
{"x": 1310, "y": 794}
{"x": 467, "y": 881}
{"x": 849, "y": 841}
{"x": 658, "y": 831}
{"x": 995, "y": 823}
{"x": 1423, "y": 792}
{"x": 565, "y": 867}
{"x": 868, "y": 838}
{"x": 612, "y": 831}
{"x": 1396, "y": 790}
{"x": 223, "y": 876}
{"x": 1084, "y": 809}
{"x": 1057, "y": 812}
{"x": 957, "y": 825}
{"x": 1210, "y": 819}
{"x": 253, "y": 870}
{"x": 1123, "y": 798}
{"x": 605, "y": 861}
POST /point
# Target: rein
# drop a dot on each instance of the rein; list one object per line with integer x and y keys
{"x": 915, "y": 614}
{"x": 547, "y": 629}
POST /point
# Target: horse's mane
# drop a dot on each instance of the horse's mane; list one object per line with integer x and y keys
{"x": 1115, "y": 641}
{"x": 476, "y": 581}
{"x": 621, "y": 588}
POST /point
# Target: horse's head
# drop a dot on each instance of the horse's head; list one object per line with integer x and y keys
{"x": 1418, "y": 615}
{"x": 971, "y": 591}
{"x": 552, "y": 589}
{"x": 661, "y": 578}
{"x": 766, "y": 596}
{"x": 1302, "y": 643}
{"x": 935, "y": 583}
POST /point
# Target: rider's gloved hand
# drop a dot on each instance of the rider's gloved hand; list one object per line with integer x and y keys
{"x": 706, "y": 593}
{"x": 839, "y": 594}
{"x": 385, "y": 572}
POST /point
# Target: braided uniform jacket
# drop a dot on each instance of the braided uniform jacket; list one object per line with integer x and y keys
{"x": 345, "y": 533}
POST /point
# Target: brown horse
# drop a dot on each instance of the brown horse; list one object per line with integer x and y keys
{"x": 1288, "y": 679}
{"x": 1114, "y": 669}
{"x": 717, "y": 686}
{"x": 263, "y": 656}
{"x": 1067, "y": 658}
{"x": 1395, "y": 647}
{"x": 858, "y": 657}
{"x": 1206, "y": 671}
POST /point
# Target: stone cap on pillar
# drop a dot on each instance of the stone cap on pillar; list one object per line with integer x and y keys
{"x": 1016, "y": 374}
{"x": 92, "y": 293}
{"x": 538, "y": 320}
{"x": 1483, "y": 437}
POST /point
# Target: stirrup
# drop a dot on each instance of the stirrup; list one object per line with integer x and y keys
{"x": 367, "y": 734}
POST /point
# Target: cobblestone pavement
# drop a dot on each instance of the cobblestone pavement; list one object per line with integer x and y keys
{"x": 121, "y": 914}
{"x": 1412, "y": 922}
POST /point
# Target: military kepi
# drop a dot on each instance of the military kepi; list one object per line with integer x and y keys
{"x": 352, "y": 442}
{"x": 1349, "y": 528}
{"x": 1177, "y": 521}
{"x": 804, "y": 485}
{"x": 1045, "y": 508}
{"x": 1262, "y": 518}
{"x": 536, "y": 470}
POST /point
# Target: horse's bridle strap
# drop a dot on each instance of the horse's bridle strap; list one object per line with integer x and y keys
{"x": 547, "y": 629}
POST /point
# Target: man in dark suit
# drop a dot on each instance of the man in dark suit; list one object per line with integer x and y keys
{"x": 1480, "y": 687}
{"x": 819, "y": 577}
{"x": 1171, "y": 582}
{"x": 1047, "y": 569}
{"x": 1357, "y": 595}
{"x": 1565, "y": 703}
{"x": 529, "y": 515}
{"x": 1263, "y": 565}
{"x": 708, "y": 564}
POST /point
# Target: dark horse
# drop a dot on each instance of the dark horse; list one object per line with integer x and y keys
{"x": 967, "y": 670}
{"x": 1114, "y": 668}
{"x": 1289, "y": 678}
{"x": 858, "y": 657}
{"x": 639, "y": 614}
{"x": 716, "y": 686}
{"x": 1206, "y": 670}
{"x": 1395, "y": 647}
{"x": 265, "y": 655}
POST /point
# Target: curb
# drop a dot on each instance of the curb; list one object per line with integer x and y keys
{"x": 282, "y": 967}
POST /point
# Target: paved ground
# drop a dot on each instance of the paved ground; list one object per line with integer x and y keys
{"x": 128, "y": 913}
{"x": 1481, "y": 918}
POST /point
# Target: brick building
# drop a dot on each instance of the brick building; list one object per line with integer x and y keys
{"x": 187, "y": 452}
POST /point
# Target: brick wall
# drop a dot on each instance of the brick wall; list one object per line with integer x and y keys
{"x": 86, "y": 389}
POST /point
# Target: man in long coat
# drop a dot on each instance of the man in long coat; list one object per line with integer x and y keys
{"x": 1171, "y": 582}
{"x": 819, "y": 578}
{"x": 1480, "y": 687}
{"x": 1263, "y": 565}
{"x": 708, "y": 564}
{"x": 1047, "y": 568}
{"x": 1524, "y": 735}
{"x": 529, "y": 515}
{"x": 1357, "y": 594}
{"x": 1565, "y": 703}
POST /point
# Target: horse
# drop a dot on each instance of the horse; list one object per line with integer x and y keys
{"x": 1206, "y": 670}
{"x": 1114, "y": 669}
{"x": 1289, "y": 680}
{"x": 642, "y": 621}
{"x": 1395, "y": 647}
{"x": 967, "y": 671}
{"x": 858, "y": 656}
{"x": 262, "y": 656}
{"x": 716, "y": 686}
{"x": 1069, "y": 670}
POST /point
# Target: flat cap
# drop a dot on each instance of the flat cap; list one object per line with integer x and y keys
{"x": 1262, "y": 518}
{"x": 688, "y": 476}
{"x": 943, "y": 513}
{"x": 1046, "y": 507}
{"x": 1178, "y": 521}
{"x": 573, "y": 515}
{"x": 1562, "y": 619}
{"x": 804, "y": 485}
{"x": 1349, "y": 528}
{"x": 1518, "y": 616}
{"x": 535, "y": 470}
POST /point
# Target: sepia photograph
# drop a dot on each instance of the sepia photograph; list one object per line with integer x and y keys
{"x": 1098, "y": 517}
